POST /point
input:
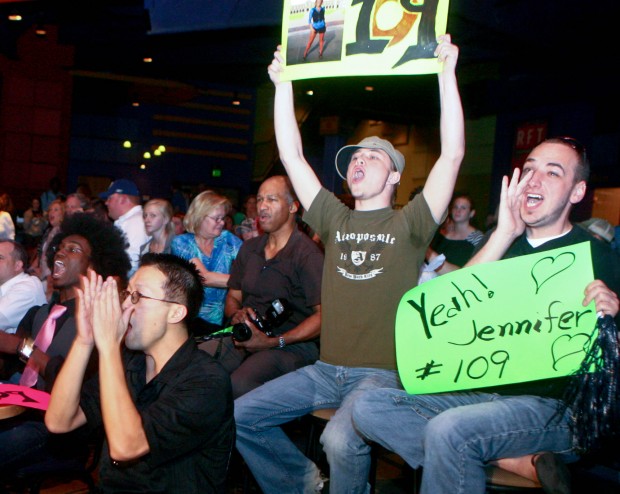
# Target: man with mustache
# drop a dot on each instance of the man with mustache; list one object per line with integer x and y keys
{"x": 283, "y": 263}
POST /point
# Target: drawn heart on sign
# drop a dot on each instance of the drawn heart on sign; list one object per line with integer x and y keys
{"x": 567, "y": 345}
{"x": 547, "y": 267}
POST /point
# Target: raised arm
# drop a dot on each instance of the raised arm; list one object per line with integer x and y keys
{"x": 440, "y": 183}
{"x": 302, "y": 175}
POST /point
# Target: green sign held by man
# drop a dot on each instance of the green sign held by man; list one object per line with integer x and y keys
{"x": 505, "y": 322}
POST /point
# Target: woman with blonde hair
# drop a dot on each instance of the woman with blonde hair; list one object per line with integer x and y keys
{"x": 210, "y": 248}
{"x": 157, "y": 216}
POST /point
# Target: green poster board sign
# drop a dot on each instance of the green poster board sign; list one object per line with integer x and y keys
{"x": 504, "y": 322}
{"x": 363, "y": 37}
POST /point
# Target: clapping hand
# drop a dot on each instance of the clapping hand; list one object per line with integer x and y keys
{"x": 110, "y": 322}
{"x": 90, "y": 286}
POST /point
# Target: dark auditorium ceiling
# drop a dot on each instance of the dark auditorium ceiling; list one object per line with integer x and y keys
{"x": 547, "y": 48}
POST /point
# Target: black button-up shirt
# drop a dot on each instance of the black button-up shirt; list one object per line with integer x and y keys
{"x": 187, "y": 413}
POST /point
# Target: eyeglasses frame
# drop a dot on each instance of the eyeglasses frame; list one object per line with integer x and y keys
{"x": 126, "y": 293}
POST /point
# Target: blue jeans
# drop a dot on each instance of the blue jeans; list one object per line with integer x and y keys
{"x": 453, "y": 435}
{"x": 277, "y": 464}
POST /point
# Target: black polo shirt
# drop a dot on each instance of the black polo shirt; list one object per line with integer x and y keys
{"x": 294, "y": 274}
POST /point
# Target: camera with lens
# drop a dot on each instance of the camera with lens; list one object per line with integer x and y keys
{"x": 277, "y": 313}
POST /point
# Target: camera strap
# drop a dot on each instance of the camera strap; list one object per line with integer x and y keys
{"x": 218, "y": 351}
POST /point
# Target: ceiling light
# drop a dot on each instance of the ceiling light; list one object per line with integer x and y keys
{"x": 147, "y": 155}
{"x": 40, "y": 31}
{"x": 135, "y": 103}
{"x": 161, "y": 148}
{"x": 369, "y": 88}
{"x": 127, "y": 144}
{"x": 142, "y": 166}
{"x": 147, "y": 59}
{"x": 157, "y": 152}
{"x": 15, "y": 17}
{"x": 309, "y": 92}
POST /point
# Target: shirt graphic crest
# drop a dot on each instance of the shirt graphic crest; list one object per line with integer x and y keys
{"x": 358, "y": 257}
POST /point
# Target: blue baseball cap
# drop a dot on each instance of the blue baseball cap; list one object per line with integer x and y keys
{"x": 121, "y": 186}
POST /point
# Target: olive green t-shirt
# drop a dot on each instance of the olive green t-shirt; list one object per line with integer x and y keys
{"x": 371, "y": 259}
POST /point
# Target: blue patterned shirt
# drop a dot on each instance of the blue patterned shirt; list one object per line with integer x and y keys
{"x": 225, "y": 248}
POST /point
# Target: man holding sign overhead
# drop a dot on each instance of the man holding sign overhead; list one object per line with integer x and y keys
{"x": 454, "y": 435}
{"x": 373, "y": 253}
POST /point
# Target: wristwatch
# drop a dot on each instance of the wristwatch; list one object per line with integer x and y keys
{"x": 281, "y": 342}
{"x": 26, "y": 349}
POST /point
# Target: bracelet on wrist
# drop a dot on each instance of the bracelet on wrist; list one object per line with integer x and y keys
{"x": 26, "y": 349}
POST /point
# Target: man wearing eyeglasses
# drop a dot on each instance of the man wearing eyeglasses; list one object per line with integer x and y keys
{"x": 166, "y": 407}
{"x": 454, "y": 435}
{"x": 83, "y": 242}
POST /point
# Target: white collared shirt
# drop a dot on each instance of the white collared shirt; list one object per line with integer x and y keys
{"x": 132, "y": 225}
{"x": 17, "y": 295}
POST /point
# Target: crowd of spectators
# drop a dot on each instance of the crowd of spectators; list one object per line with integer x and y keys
{"x": 265, "y": 254}
{"x": 46, "y": 259}
{"x": 146, "y": 319}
